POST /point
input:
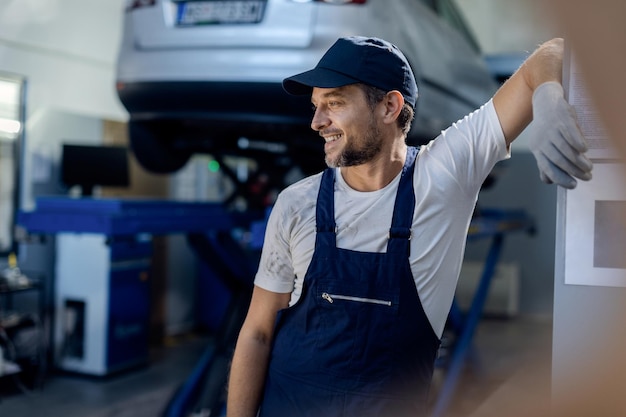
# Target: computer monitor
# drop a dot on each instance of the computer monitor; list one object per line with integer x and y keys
{"x": 94, "y": 165}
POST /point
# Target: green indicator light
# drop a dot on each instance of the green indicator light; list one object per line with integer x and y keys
{"x": 214, "y": 166}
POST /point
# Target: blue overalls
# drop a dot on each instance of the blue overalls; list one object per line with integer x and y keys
{"x": 357, "y": 343}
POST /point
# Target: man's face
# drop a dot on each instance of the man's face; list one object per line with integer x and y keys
{"x": 347, "y": 124}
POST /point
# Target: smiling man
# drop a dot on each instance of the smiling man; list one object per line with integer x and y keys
{"x": 360, "y": 262}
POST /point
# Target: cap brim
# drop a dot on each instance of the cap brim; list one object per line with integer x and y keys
{"x": 302, "y": 84}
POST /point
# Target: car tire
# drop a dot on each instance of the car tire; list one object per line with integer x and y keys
{"x": 153, "y": 144}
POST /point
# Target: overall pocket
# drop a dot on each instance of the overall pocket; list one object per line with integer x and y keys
{"x": 356, "y": 327}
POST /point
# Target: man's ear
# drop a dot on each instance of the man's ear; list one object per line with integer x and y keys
{"x": 393, "y": 103}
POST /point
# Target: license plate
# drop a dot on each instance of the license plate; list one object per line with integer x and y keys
{"x": 215, "y": 12}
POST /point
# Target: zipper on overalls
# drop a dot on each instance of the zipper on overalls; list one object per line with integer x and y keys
{"x": 332, "y": 297}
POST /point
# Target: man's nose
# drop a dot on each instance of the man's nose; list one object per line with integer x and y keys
{"x": 320, "y": 120}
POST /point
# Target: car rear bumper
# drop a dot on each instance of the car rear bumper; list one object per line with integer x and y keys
{"x": 240, "y": 102}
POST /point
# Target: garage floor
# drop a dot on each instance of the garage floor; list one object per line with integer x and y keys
{"x": 508, "y": 373}
{"x": 509, "y": 369}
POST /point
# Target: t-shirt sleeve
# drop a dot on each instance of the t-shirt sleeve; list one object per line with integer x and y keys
{"x": 493, "y": 126}
{"x": 275, "y": 271}
{"x": 471, "y": 147}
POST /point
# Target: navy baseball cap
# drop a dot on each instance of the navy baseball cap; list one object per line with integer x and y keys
{"x": 358, "y": 59}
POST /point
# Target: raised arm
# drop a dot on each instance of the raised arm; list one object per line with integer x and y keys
{"x": 513, "y": 101}
{"x": 534, "y": 94}
{"x": 250, "y": 360}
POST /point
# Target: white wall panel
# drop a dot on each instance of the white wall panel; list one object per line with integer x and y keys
{"x": 508, "y": 25}
{"x": 67, "y": 50}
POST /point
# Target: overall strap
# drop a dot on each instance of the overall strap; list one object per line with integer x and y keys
{"x": 400, "y": 232}
{"x": 325, "y": 210}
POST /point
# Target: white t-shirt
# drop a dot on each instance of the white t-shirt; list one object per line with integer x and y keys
{"x": 449, "y": 172}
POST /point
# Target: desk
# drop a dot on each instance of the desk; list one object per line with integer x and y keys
{"x": 491, "y": 224}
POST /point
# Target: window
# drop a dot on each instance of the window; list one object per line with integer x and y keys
{"x": 11, "y": 133}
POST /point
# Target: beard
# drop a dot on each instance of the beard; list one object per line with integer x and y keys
{"x": 360, "y": 149}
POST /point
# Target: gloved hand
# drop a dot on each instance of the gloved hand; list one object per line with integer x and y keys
{"x": 556, "y": 140}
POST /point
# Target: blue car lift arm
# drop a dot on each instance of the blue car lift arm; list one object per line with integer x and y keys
{"x": 489, "y": 223}
{"x": 203, "y": 391}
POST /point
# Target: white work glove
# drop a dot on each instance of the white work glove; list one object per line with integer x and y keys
{"x": 556, "y": 140}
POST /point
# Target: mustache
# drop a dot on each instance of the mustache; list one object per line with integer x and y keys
{"x": 330, "y": 132}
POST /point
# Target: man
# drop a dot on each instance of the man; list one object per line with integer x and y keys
{"x": 360, "y": 263}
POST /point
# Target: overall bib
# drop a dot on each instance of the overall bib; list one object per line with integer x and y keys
{"x": 357, "y": 343}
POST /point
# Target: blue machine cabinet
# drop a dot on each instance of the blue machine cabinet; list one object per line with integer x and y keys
{"x": 102, "y": 303}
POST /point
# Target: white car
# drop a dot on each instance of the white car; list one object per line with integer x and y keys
{"x": 205, "y": 76}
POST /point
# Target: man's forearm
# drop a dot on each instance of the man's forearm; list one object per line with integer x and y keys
{"x": 513, "y": 101}
{"x": 247, "y": 377}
